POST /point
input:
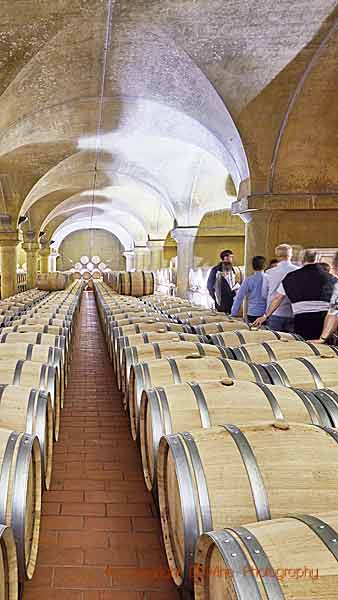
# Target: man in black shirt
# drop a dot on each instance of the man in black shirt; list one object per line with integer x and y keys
{"x": 222, "y": 284}
{"x": 309, "y": 290}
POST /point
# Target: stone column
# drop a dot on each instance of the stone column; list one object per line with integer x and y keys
{"x": 52, "y": 260}
{"x": 130, "y": 260}
{"x": 141, "y": 258}
{"x": 32, "y": 254}
{"x": 155, "y": 248}
{"x": 44, "y": 259}
{"x": 185, "y": 239}
{"x": 301, "y": 220}
{"x": 8, "y": 258}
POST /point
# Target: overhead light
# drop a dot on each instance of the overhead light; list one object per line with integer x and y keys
{"x": 52, "y": 242}
{"x": 23, "y": 219}
{"x": 41, "y": 233}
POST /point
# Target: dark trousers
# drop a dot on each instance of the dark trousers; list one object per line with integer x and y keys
{"x": 252, "y": 318}
{"x": 310, "y": 325}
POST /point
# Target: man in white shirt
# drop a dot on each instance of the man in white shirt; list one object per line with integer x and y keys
{"x": 282, "y": 319}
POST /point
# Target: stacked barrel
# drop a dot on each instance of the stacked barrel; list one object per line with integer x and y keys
{"x": 236, "y": 429}
{"x": 131, "y": 283}
{"x": 36, "y": 337}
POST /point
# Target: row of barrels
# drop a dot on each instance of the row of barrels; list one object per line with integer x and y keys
{"x": 54, "y": 281}
{"x": 241, "y": 456}
{"x": 33, "y": 378}
{"x": 130, "y": 283}
{"x": 18, "y": 304}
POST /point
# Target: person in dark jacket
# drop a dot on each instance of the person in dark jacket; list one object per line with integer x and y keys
{"x": 222, "y": 284}
{"x": 309, "y": 290}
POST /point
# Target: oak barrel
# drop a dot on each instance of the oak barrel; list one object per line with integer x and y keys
{"x": 274, "y": 351}
{"x": 160, "y": 327}
{"x": 34, "y": 375}
{"x": 305, "y": 372}
{"x": 20, "y": 494}
{"x": 249, "y": 336}
{"x": 177, "y": 370}
{"x": 229, "y": 325}
{"x": 136, "y": 283}
{"x": 227, "y": 476}
{"x": 43, "y": 339}
{"x": 30, "y": 410}
{"x": 51, "y": 281}
{"x": 133, "y": 355}
{"x": 191, "y": 405}
{"x": 282, "y": 559}
{"x": 9, "y": 583}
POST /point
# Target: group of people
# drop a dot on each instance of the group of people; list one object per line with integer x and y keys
{"x": 284, "y": 297}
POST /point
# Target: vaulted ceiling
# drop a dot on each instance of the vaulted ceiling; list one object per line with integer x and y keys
{"x": 122, "y": 114}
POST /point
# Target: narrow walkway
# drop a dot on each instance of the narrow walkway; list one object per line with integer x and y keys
{"x": 100, "y": 536}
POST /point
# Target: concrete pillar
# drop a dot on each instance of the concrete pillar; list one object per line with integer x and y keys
{"x": 130, "y": 260}
{"x": 52, "y": 261}
{"x": 155, "y": 248}
{"x": 44, "y": 259}
{"x": 32, "y": 254}
{"x": 185, "y": 239}
{"x": 8, "y": 259}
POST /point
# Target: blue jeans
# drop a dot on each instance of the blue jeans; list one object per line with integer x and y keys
{"x": 285, "y": 324}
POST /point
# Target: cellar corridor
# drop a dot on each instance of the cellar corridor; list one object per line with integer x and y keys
{"x": 100, "y": 535}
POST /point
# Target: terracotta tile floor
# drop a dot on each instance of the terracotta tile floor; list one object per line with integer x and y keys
{"x": 100, "y": 536}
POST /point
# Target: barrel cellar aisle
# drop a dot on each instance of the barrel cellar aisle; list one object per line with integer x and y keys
{"x": 100, "y": 535}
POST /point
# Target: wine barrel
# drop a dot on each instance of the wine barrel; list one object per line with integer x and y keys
{"x": 136, "y": 283}
{"x": 159, "y": 327}
{"x": 220, "y": 326}
{"x": 43, "y": 339}
{"x": 306, "y": 372}
{"x": 274, "y": 351}
{"x": 133, "y": 355}
{"x": 139, "y": 339}
{"x": 203, "y": 319}
{"x": 30, "y": 410}
{"x": 285, "y": 558}
{"x": 173, "y": 408}
{"x": 37, "y": 353}
{"x": 51, "y": 281}
{"x": 249, "y": 336}
{"x": 20, "y": 494}
{"x": 144, "y": 376}
{"x": 50, "y": 329}
{"x": 222, "y": 476}
{"x": 9, "y": 583}
{"x": 34, "y": 375}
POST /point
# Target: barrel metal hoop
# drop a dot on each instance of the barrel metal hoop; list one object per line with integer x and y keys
{"x": 188, "y": 504}
{"x": 325, "y": 532}
{"x": 261, "y": 561}
{"x": 329, "y": 399}
{"x": 29, "y": 352}
{"x": 174, "y": 370}
{"x": 276, "y": 374}
{"x": 18, "y": 515}
{"x": 39, "y": 338}
{"x": 238, "y": 565}
{"x": 227, "y": 367}
{"x": 226, "y": 352}
{"x": 17, "y": 372}
{"x": 219, "y": 327}
{"x": 30, "y": 411}
{"x": 2, "y": 389}
{"x": 157, "y": 350}
{"x": 314, "y": 407}
{"x": 241, "y": 353}
{"x": 270, "y": 351}
{"x": 201, "y": 403}
{"x": 200, "y": 349}
{"x": 259, "y": 493}
{"x": 3, "y": 338}
{"x": 157, "y": 426}
{"x": 42, "y": 381}
{"x": 240, "y": 336}
{"x": 137, "y": 328}
{"x": 276, "y": 409}
{"x": 201, "y": 483}
{"x": 260, "y": 373}
{"x": 145, "y": 338}
{"x": 313, "y": 371}
{"x": 5, "y": 474}
{"x": 335, "y": 349}
{"x": 314, "y": 348}
{"x": 50, "y": 357}
{"x": 332, "y": 432}
{"x": 45, "y": 329}
{"x": 217, "y": 340}
{"x": 165, "y": 409}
